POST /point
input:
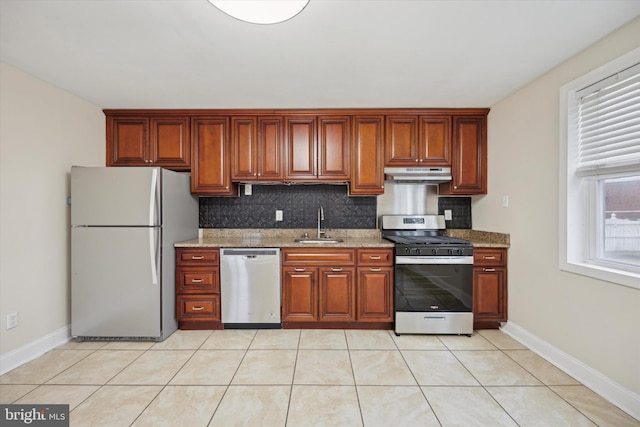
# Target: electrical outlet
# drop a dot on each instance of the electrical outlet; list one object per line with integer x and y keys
{"x": 448, "y": 215}
{"x": 278, "y": 215}
{"x": 12, "y": 320}
{"x": 248, "y": 190}
{"x": 505, "y": 201}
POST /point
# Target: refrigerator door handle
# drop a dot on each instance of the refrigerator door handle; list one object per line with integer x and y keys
{"x": 153, "y": 254}
{"x": 153, "y": 199}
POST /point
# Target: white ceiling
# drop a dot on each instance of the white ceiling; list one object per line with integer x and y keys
{"x": 340, "y": 54}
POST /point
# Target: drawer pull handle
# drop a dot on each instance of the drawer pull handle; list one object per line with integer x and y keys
{"x": 197, "y": 280}
{"x": 489, "y": 269}
{"x": 198, "y": 308}
{"x": 197, "y": 257}
{"x": 299, "y": 269}
{"x": 489, "y": 257}
{"x": 375, "y": 269}
{"x": 374, "y": 257}
{"x": 336, "y": 269}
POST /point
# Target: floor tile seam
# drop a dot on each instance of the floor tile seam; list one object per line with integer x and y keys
{"x": 433, "y": 411}
{"x": 501, "y": 351}
{"x": 65, "y": 369}
{"x": 295, "y": 364}
{"x": 534, "y": 375}
{"x": 413, "y": 375}
{"x": 499, "y": 404}
{"x": 148, "y": 405}
{"x": 547, "y": 387}
{"x": 85, "y": 399}
{"x": 574, "y": 406}
{"x": 48, "y": 382}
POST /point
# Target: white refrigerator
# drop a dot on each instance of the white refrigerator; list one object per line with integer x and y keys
{"x": 124, "y": 223}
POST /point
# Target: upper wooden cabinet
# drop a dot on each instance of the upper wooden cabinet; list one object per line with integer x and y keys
{"x": 224, "y": 147}
{"x": 148, "y": 141}
{"x": 367, "y": 177}
{"x": 469, "y": 159}
{"x": 418, "y": 141}
{"x": 317, "y": 148}
{"x": 256, "y": 149}
{"x": 210, "y": 168}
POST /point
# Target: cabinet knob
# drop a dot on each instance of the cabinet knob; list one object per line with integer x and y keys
{"x": 489, "y": 257}
{"x": 197, "y": 308}
{"x": 336, "y": 269}
{"x": 197, "y": 257}
{"x": 489, "y": 269}
{"x": 374, "y": 257}
{"x": 299, "y": 269}
{"x": 375, "y": 269}
{"x": 417, "y": 160}
{"x": 197, "y": 280}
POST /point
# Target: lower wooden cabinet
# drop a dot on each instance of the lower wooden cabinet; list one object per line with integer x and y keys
{"x": 489, "y": 287}
{"x": 337, "y": 285}
{"x": 198, "y": 288}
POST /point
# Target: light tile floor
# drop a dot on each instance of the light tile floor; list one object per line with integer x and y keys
{"x": 309, "y": 378}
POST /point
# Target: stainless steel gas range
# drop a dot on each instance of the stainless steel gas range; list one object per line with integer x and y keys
{"x": 433, "y": 276}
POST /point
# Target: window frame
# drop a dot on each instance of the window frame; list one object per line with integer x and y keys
{"x": 578, "y": 201}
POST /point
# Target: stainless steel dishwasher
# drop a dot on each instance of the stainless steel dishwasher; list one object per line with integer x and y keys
{"x": 250, "y": 287}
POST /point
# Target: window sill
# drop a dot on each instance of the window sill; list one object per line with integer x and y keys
{"x": 618, "y": 277}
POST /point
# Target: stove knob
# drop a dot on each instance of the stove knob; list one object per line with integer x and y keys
{"x": 434, "y": 251}
{"x": 449, "y": 252}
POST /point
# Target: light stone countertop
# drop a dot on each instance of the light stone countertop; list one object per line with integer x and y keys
{"x": 352, "y": 238}
{"x": 482, "y": 239}
{"x": 280, "y": 238}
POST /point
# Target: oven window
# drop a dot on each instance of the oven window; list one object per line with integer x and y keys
{"x": 433, "y": 287}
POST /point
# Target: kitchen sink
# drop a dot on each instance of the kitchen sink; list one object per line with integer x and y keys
{"x": 320, "y": 240}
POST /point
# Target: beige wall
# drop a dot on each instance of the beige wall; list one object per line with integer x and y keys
{"x": 594, "y": 321}
{"x": 43, "y": 131}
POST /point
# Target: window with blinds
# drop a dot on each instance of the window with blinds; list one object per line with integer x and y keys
{"x": 600, "y": 172}
{"x": 609, "y": 125}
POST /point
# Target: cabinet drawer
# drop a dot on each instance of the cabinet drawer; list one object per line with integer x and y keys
{"x": 197, "y": 280}
{"x": 484, "y": 256}
{"x": 375, "y": 257}
{"x": 195, "y": 256}
{"x": 198, "y": 307}
{"x": 322, "y": 256}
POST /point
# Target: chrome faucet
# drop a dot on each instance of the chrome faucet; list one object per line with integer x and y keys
{"x": 320, "y": 219}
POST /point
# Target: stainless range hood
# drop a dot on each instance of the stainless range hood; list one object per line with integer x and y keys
{"x": 434, "y": 175}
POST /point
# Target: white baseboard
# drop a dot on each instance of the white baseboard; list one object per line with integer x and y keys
{"x": 34, "y": 349}
{"x": 610, "y": 390}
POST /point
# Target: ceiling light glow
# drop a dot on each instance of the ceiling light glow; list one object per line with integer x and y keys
{"x": 261, "y": 11}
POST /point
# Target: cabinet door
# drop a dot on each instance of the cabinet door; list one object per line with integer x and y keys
{"x": 244, "y": 149}
{"x": 401, "y": 142}
{"x": 300, "y": 140}
{"x": 333, "y": 148}
{"x": 435, "y": 141}
{"x": 169, "y": 145}
{"x": 210, "y": 173}
{"x": 299, "y": 294}
{"x": 375, "y": 294}
{"x": 337, "y": 294}
{"x": 270, "y": 158}
{"x": 367, "y": 178}
{"x": 489, "y": 296}
{"x": 469, "y": 156}
{"x": 127, "y": 141}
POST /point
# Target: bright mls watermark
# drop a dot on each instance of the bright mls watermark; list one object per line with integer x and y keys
{"x": 35, "y": 415}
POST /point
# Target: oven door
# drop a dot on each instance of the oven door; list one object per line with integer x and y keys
{"x": 433, "y": 284}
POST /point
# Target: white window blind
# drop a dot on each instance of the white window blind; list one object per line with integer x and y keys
{"x": 609, "y": 124}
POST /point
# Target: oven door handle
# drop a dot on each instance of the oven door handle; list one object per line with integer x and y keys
{"x": 437, "y": 260}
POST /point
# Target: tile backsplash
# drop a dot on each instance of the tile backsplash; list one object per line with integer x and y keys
{"x": 299, "y": 204}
